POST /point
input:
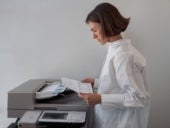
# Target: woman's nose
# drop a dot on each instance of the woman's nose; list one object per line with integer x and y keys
{"x": 94, "y": 36}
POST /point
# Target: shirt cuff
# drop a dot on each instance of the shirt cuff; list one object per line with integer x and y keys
{"x": 116, "y": 99}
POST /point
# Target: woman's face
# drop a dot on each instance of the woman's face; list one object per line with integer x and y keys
{"x": 97, "y": 32}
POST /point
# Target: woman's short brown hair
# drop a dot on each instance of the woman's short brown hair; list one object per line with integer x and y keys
{"x": 109, "y": 17}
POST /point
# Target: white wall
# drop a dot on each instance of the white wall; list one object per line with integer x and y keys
{"x": 49, "y": 39}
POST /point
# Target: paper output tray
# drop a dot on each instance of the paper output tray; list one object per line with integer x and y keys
{"x": 67, "y": 97}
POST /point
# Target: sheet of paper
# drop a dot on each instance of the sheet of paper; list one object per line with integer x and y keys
{"x": 51, "y": 88}
{"x": 77, "y": 86}
{"x": 85, "y": 88}
{"x": 71, "y": 84}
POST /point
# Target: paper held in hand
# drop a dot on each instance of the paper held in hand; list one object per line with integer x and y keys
{"x": 77, "y": 86}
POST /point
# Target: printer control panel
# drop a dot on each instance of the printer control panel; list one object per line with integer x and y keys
{"x": 52, "y": 118}
{"x": 76, "y": 117}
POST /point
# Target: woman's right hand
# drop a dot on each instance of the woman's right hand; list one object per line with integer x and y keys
{"x": 88, "y": 80}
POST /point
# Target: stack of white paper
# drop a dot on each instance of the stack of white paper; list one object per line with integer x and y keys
{"x": 50, "y": 90}
{"x": 77, "y": 86}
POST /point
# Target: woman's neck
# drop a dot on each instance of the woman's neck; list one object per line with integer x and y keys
{"x": 114, "y": 38}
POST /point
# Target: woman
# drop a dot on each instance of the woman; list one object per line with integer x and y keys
{"x": 123, "y": 96}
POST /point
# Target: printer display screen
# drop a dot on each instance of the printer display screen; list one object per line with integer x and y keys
{"x": 55, "y": 116}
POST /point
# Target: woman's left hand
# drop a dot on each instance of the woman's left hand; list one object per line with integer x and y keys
{"x": 91, "y": 98}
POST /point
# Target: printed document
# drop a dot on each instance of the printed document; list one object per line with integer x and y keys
{"x": 77, "y": 86}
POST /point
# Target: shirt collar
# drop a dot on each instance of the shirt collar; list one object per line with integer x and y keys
{"x": 120, "y": 42}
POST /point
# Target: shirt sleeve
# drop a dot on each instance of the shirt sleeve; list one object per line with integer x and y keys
{"x": 129, "y": 75}
{"x": 96, "y": 83}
